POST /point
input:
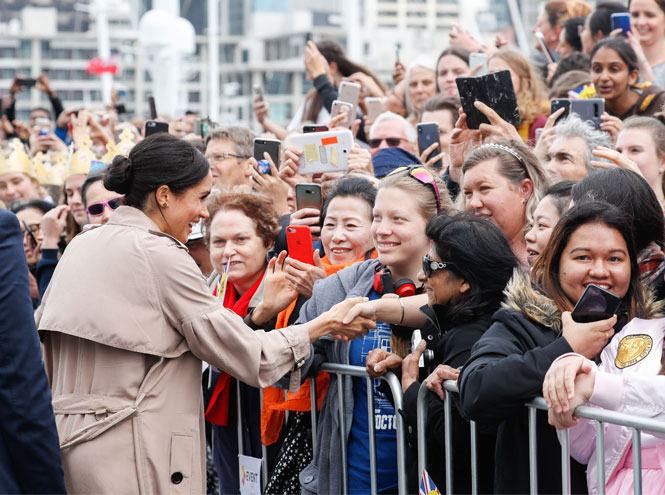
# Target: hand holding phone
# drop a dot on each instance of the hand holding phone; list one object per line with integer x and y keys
{"x": 621, "y": 21}
{"x": 299, "y": 242}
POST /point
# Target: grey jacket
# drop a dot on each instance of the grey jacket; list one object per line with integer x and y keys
{"x": 324, "y": 474}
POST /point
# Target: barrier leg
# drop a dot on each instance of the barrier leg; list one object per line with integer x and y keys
{"x": 600, "y": 456}
{"x": 637, "y": 462}
{"x": 342, "y": 431}
{"x": 533, "y": 452}
{"x": 565, "y": 463}
{"x": 396, "y": 388}
{"x": 312, "y": 394}
{"x": 421, "y": 419}
{"x": 372, "y": 438}
{"x": 447, "y": 423}
{"x": 474, "y": 458}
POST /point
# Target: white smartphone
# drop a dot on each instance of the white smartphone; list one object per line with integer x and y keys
{"x": 349, "y": 92}
{"x": 323, "y": 151}
{"x": 476, "y": 59}
{"x": 374, "y": 107}
{"x": 343, "y": 107}
{"x": 543, "y": 46}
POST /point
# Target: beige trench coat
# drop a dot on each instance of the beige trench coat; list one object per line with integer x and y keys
{"x": 125, "y": 323}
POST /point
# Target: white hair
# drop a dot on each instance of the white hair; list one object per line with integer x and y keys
{"x": 409, "y": 130}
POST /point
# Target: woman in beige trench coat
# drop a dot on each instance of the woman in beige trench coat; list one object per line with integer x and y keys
{"x": 127, "y": 320}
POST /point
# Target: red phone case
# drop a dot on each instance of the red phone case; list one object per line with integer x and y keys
{"x": 299, "y": 242}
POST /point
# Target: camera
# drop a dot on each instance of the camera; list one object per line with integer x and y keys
{"x": 427, "y": 357}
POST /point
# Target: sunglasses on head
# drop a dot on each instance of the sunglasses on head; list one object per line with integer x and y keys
{"x": 391, "y": 142}
{"x": 430, "y": 266}
{"x": 96, "y": 209}
{"x": 424, "y": 176}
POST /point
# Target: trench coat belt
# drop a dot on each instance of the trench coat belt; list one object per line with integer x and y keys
{"x": 114, "y": 410}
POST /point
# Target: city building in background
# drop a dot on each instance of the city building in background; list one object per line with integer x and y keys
{"x": 259, "y": 42}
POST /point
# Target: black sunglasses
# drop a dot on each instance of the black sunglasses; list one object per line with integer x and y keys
{"x": 391, "y": 142}
{"x": 97, "y": 209}
{"x": 430, "y": 266}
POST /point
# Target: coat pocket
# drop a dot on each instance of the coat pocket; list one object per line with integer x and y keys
{"x": 180, "y": 466}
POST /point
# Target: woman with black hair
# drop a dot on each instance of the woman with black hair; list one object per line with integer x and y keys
{"x": 632, "y": 194}
{"x": 124, "y": 332}
{"x": 464, "y": 275}
{"x": 615, "y": 73}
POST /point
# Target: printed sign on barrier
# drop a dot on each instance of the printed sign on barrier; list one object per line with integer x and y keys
{"x": 250, "y": 475}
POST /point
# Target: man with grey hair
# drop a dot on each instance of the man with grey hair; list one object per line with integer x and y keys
{"x": 569, "y": 154}
{"x": 229, "y": 150}
{"x": 390, "y": 130}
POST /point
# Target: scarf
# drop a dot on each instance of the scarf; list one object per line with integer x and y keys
{"x": 274, "y": 403}
{"x": 218, "y": 408}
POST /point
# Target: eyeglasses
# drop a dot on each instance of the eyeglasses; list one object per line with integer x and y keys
{"x": 96, "y": 209}
{"x": 424, "y": 176}
{"x": 218, "y": 157}
{"x": 430, "y": 266}
{"x": 392, "y": 142}
{"x": 30, "y": 231}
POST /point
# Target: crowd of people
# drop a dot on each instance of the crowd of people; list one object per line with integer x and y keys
{"x": 158, "y": 275}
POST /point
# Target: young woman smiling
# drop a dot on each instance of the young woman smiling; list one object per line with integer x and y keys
{"x": 406, "y": 200}
{"x": 592, "y": 243}
{"x": 647, "y": 19}
{"x": 614, "y": 73}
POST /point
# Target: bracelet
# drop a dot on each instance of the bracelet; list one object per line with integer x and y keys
{"x": 401, "y": 304}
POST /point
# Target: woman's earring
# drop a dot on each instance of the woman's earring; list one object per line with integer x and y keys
{"x": 164, "y": 205}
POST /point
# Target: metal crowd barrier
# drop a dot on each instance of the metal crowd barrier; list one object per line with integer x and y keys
{"x": 396, "y": 388}
{"x": 599, "y": 416}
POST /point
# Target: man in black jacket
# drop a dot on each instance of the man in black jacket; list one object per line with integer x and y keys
{"x": 29, "y": 448}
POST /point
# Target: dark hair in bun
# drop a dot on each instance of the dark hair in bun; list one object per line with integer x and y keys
{"x": 160, "y": 159}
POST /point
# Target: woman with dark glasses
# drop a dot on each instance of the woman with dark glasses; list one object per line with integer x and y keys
{"x": 98, "y": 201}
{"x": 464, "y": 275}
{"x": 405, "y": 201}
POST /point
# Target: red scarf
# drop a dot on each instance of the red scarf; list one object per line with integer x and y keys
{"x": 218, "y": 408}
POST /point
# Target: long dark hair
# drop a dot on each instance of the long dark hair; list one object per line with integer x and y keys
{"x": 545, "y": 271}
{"x": 160, "y": 159}
{"x": 479, "y": 254}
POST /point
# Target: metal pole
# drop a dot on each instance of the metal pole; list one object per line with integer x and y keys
{"x": 371, "y": 418}
{"x": 600, "y": 456}
{"x": 421, "y": 421}
{"x": 518, "y": 25}
{"x": 213, "y": 60}
{"x": 637, "y": 462}
{"x": 474, "y": 458}
{"x": 447, "y": 424}
{"x": 533, "y": 452}
{"x": 312, "y": 395}
{"x": 565, "y": 463}
{"x": 396, "y": 389}
{"x": 342, "y": 432}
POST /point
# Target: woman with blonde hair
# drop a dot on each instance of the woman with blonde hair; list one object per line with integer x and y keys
{"x": 529, "y": 89}
{"x": 503, "y": 182}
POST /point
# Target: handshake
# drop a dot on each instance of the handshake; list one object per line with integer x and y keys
{"x": 341, "y": 322}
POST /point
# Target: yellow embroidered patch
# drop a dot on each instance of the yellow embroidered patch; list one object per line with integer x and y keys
{"x": 633, "y": 349}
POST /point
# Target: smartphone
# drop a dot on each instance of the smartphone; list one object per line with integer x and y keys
{"x": 476, "y": 59}
{"x": 349, "y": 92}
{"x": 557, "y": 103}
{"x": 595, "y": 304}
{"x": 202, "y": 127}
{"x": 299, "y": 243}
{"x": 428, "y": 134}
{"x": 323, "y": 151}
{"x": 589, "y": 109}
{"x": 155, "y": 127}
{"x": 258, "y": 92}
{"x": 307, "y": 129}
{"x": 28, "y": 82}
{"x": 271, "y": 146}
{"x": 398, "y": 46}
{"x": 374, "y": 107}
{"x": 308, "y": 37}
{"x": 621, "y": 21}
{"x": 308, "y": 196}
{"x": 543, "y": 46}
{"x": 495, "y": 90}
{"x": 343, "y": 107}
{"x": 153, "y": 107}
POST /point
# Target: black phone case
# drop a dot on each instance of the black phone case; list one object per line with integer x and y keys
{"x": 428, "y": 134}
{"x": 267, "y": 146}
{"x": 595, "y": 304}
{"x": 495, "y": 90}
{"x": 557, "y": 103}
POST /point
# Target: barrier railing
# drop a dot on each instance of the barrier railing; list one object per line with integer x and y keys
{"x": 396, "y": 388}
{"x": 598, "y": 415}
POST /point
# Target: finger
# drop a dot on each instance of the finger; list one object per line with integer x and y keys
{"x": 420, "y": 348}
{"x": 389, "y": 362}
{"x": 552, "y": 118}
{"x": 374, "y": 356}
{"x": 355, "y": 126}
{"x": 271, "y": 264}
{"x": 488, "y": 112}
{"x": 317, "y": 259}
